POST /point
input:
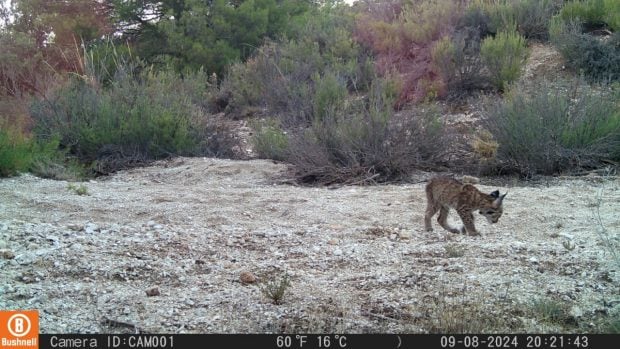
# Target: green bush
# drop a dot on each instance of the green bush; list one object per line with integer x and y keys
{"x": 15, "y": 152}
{"x": 281, "y": 76}
{"x": 135, "y": 120}
{"x": 269, "y": 140}
{"x": 504, "y": 55}
{"x": 532, "y": 17}
{"x": 593, "y": 14}
{"x": 551, "y": 131}
{"x": 595, "y": 58}
{"x": 529, "y": 17}
{"x": 49, "y": 161}
{"x": 329, "y": 95}
{"x": 19, "y": 153}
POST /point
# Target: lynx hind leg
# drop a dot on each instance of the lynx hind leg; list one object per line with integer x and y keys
{"x": 468, "y": 223}
{"x": 443, "y": 220}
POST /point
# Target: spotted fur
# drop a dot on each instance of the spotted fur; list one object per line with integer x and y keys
{"x": 444, "y": 193}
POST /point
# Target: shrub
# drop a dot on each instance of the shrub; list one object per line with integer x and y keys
{"x": 532, "y": 17}
{"x": 329, "y": 95}
{"x": 21, "y": 153}
{"x": 275, "y": 289}
{"x": 281, "y": 76}
{"x": 529, "y": 17}
{"x": 368, "y": 143}
{"x": 596, "y": 59}
{"x": 48, "y": 161}
{"x": 552, "y": 131}
{"x": 134, "y": 121}
{"x": 550, "y": 310}
{"x": 403, "y": 41}
{"x": 269, "y": 140}
{"x": 15, "y": 152}
{"x": 457, "y": 61}
{"x": 592, "y": 14}
{"x": 503, "y": 55}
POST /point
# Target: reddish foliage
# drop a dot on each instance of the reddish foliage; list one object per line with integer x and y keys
{"x": 46, "y": 39}
{"x": 385, "y": 28}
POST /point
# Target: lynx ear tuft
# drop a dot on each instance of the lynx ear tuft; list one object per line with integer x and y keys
{"x": 495, "y": 194}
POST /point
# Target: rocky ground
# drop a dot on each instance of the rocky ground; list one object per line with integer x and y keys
{"x": 176, "y": 247}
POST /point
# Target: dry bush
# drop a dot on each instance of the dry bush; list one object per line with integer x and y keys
{"x": 371, "y": 145}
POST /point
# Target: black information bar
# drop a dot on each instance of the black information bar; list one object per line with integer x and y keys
{"x": 328, "y": 341}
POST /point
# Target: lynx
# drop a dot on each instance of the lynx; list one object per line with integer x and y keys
{"x": 443, "y": 193}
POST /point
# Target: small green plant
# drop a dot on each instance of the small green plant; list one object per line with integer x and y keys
{"x": 568, "y": 245}
{"x": 454, "y": 250}
{"x": 550, "y": 310}
{"x": 275, "y": 289}
{"x": 504, "y": 55}
{"x": 460, "y": 310}
{"x": 78, "y": 189}
{"x": 612, "y": 324}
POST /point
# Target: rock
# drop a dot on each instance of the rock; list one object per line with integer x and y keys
{"x": 91, "y": 228}
{"x": 576, "y": 312}
{"x": 533, "y": 260}
{"x": 247, "y": 277}
{"x": 337, "y": 252}
{"x": 3, "y": 244}
{"x": 153, "y": 291}
{"x": 6, "y": 254}
{"x": 405, "y": 235}
{"x": 333, "y": 241}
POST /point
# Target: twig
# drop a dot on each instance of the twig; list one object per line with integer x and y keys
{"x": 117, "y": 324}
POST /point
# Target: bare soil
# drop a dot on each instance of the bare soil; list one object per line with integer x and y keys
{"x": 163, "y": 249}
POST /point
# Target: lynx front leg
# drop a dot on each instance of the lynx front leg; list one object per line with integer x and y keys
{"x": 468, "y": 222}
{"x": 430, "y": 212}
{"x": 443, "y": 220}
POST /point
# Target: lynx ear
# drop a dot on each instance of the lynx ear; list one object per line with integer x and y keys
{"x": 495, "y": 194}
{"x": 499, "y": 199}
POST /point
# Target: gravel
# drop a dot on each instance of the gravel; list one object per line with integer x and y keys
{"x": 187, "y": 246}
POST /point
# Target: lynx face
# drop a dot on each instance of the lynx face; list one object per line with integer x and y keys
{"x": 493, "y": 213}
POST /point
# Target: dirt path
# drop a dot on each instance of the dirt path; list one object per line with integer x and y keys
{"x": 357, "y": 257}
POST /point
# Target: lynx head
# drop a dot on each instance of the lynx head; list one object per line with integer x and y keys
{"x": 493, "y": 211}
